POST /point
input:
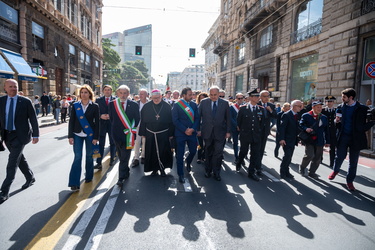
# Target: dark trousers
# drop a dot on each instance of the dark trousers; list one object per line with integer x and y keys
{"x": 44, "y": 109}
{"x": 124, "y": 156}
{"x": 287, "y": 159}
{"x": 112, "y": 147}
{"x": 16, "y": 159}
{"x": 313, "y": 154}
{"x": 201, "y": 148}
{"x": 214, "y": 154}
{"x": 255, "y": 153}
{"x": 263, "y": 141}
{"x": 332, "y": 155}
{"x": 345, "y": 142}
{"x": 191, "y": 142}
{"x": 235, "y": 143}
{"x": 63, "y": 114}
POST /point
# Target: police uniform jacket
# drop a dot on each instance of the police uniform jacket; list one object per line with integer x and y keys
{"x": 331, "y": 115}
{"x": 251, "y": 123}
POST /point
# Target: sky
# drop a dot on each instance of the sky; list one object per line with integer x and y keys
{"x": 177, "y": 25}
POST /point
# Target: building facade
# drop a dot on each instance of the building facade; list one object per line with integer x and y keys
{"x": 192, "y": 76}
{"x": 297, "y": 49}
{"x": 59, "y": 40}
{"x": 126, "y": 43}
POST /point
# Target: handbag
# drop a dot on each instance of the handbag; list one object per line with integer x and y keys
{"x": 305, "y": 137}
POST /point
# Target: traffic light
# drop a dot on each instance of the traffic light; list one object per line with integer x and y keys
{"x": 191, "y": 52}
{"x": 138, "y": 50}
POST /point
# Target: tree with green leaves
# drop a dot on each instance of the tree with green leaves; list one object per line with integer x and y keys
{"x": 111, "y": 61}
{"x": 134, "y": 74}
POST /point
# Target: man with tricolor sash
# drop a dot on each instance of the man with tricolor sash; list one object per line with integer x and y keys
{"x": 124, "y": 117}
{"x": 186, "y": 120}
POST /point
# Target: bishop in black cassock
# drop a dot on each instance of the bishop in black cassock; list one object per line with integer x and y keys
{"x": 157, "y": 126}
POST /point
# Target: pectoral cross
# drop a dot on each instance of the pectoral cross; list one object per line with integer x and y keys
{"x": 157, "y": 116}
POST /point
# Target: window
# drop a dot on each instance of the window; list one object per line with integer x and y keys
{"x": 58, "y": 5}
{"x": 72, "y": 55}
{"x": 266, "y": 37}
{"x": 304, "y": 77}
{"x": 86, "y": 25}
{"x": 240, "y": 51}
{"x": 369, "y": 56}
{"x": 72, "y": 11}
{"x": 239, "y": 83}
{"x": 82, "y": 59}
{"x": 309, "y": 20}
{"x": 87, "y": 63}
{"x": 97, "y": 71}
{"x": 38, "y": 36}
{"x": 224, "y": 62}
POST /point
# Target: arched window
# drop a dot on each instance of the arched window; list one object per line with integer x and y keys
{"x": 308, "y": 20}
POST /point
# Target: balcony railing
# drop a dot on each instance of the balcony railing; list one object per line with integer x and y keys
{"x": 264, "y": 50}
{"x": 368, "y": 6}
{"x": 306, "y": 32}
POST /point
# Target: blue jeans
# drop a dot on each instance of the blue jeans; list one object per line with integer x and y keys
{"x": 192, "y": 145}
{"x": 57, "y": 115}
{"x": 75, "y": 171}
{"x": 343, "y": 144}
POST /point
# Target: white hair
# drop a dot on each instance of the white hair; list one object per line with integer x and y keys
{"x": 123, "y": 87}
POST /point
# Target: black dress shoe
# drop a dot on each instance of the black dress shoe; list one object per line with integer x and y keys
{"x": 238, "y": 166}
{"x": 142, "y": 160}
{"x": 217, "y": 177}
{"x": 259, "y": 173}
{"x": 207, "y": 175}
{"x": 181, "y": 179}
{"x": 135, "y": 163}
{"x": 28, "y": 183}
{"x": 3, "y": 197}
{"x": 120, "y": 182}
{"x": 188, "y": 167}
{"x": 154, "y": 173}
{"x": 254, "y": 177}
{"x": 162, "y": 173}
{"x": 88, "y": 181}
{"x": 199, "y": 161}
{"x": 289, "y": 175}
{"x": 75, "y": 188}
{"x": 111, "y": 162}
{"x": 98, "y": 166}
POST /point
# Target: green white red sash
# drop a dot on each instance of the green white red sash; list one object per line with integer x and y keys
{"x": 130, "y": 130}
{"x": 236, "y": 107}
{"x": 186, "y": 107}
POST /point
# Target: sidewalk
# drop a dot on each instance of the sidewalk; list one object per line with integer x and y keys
{"x": 47, "y": 120}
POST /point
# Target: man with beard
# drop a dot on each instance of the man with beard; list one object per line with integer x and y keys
{"x": 157, "y": 127}
{"x": 124, "y": 117}
{"x": 186, "y": 120}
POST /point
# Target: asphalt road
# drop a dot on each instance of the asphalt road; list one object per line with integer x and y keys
{"x": 160, "y": 213}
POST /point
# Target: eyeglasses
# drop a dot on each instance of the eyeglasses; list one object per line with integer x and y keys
{"x": 265, "y": 96}
{"x": 239, "y": 98}
{"x": 221, "y": 96}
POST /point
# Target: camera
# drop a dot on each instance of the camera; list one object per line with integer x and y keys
{"x": 371, "y": 114}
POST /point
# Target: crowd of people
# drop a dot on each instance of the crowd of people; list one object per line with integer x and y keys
{"x": 185, "y": 123}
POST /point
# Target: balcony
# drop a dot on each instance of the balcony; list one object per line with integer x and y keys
{"x": 263, "y": 51}
{"x": 368, "y": 6}
{"x": 306, "y": 32}
{"x": 221, "y": 47}
{"x": 259, "y": 11}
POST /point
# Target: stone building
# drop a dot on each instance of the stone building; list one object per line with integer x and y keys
{"x": 297, "y": 49}
{"x": 192, "y": 76}
{"x": 59, "y": 40}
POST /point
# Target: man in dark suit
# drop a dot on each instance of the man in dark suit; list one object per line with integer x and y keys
{"x": 124, "y": 117}
{"x": 352, "y": 125}
{"x": 215, "y": 129}
{"x": 234, "y": 108}
{"x": 18, "y": 122}
{"x": 250, "y": 123}
{"x": 45, "y": 102}
{"x": 105, "y": 126}
{"x": 288, "y": 136}
{"x": 269, "y": 115}
{"x": 185, "y": 118}
{"x": 330, "y": 112}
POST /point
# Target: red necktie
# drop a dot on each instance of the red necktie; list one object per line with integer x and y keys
{"x": 107, "y": 100}
{"x": 123, "y": 107}
{"x": 296, "y": 117}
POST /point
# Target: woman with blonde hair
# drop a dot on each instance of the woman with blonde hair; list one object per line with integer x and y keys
{"x": 83, "y": 127}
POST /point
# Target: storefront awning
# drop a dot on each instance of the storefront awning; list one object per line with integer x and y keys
{"x": 23, "y": 69}
{"x": 5, "y": 70}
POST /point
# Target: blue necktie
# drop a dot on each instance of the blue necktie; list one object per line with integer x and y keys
{"x": 265, "y": 109}
{"x": 10, "y": 115}
{"x": 214, "y": 108}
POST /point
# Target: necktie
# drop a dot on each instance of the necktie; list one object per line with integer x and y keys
{"x": 295, "y": 117}
{"x": 107, "y": 100}
{"x": 254, "y": 109}
{"x": 123, "y": 106}
{"x": 214, "y": 108}
{"x": 10, "y": 115}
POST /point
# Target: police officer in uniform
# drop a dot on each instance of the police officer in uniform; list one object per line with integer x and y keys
{"x": 250, "y": 122}
{"x": 330, "y": 112}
